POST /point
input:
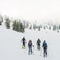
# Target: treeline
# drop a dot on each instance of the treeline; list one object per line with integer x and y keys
{"x": 17, "y": 25}
{"x": 53, "y": 27}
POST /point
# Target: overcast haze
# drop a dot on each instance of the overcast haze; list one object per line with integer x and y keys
{"x": 32, "y": 10}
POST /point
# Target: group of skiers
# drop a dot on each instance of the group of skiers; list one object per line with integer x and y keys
{"x": 30, "y": 45}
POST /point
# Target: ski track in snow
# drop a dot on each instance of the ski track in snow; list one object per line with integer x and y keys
{"x": 11, "y": 45}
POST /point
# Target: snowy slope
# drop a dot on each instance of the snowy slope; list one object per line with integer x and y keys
{"x": 10, "y": 45}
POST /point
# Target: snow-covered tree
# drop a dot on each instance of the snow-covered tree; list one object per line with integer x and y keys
{"x": 1, "y": 20}
{"x": 54, "y": 27}
{"x": 18, "y": 26}
{"x": 7, "y": 23}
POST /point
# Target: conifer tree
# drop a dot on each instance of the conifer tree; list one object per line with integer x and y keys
{"x": 7, "y": 23}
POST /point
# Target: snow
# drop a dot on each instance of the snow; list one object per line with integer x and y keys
{"x": 11, "y": 44}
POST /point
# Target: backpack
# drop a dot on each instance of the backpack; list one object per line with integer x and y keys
{"x": 38, "y": 41}
{"x": 30, "y": 43}
{"x": 45, "y": 45}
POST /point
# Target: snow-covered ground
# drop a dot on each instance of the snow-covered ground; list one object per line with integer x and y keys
{"x": 11, "y": 45}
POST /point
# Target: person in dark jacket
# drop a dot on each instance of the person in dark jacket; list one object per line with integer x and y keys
{"x": 44, "y": 48}
{"x": 38, "y": 44}
{"x": 30, "y": 47}
{"x": 23, "y": 42}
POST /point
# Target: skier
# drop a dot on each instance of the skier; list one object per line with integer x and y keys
{"x": 30, "y": 47}
{"x": 44, "y": 48}
{"x": 23, "y": 41}
{"x": 38, "y": 44}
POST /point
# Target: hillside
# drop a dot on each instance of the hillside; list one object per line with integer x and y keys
{"x": 10, "y": 44}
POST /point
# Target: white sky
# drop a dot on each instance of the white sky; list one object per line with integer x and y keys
{"x": 40, "y": 10}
